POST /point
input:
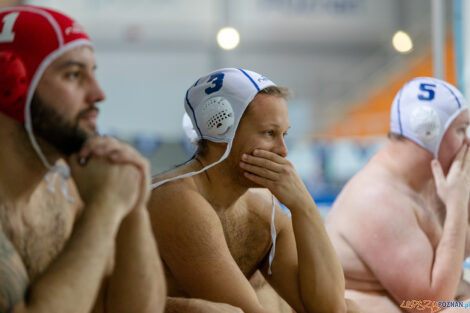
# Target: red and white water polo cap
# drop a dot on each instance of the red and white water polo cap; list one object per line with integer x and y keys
{"x": 31, "y": 38}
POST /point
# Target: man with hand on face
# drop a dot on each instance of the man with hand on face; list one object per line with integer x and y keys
{"x": 216, "y": 219}
{"x": 401, "y": 226}
{"x": 60, "y": 251}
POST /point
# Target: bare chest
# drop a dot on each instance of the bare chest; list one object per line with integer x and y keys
{"x": 248, "y": 237}
{"x": 39, "y": 231}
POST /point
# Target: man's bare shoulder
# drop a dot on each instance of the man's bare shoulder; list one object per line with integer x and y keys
{"x": 375, "y": 197}
{"x": 260, "y": 202}
{"x": 370, "y": 189}
{"x": 13, "y": 277}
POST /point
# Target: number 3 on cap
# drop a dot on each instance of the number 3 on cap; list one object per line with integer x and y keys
{"x": 216, "y": 80}
{"x": 428, "y": 88}
{"x": 7, "y": 34}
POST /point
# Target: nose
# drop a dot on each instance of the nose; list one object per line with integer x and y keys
{"x": 281, "y": 148}
{"x": 95, "y": 93}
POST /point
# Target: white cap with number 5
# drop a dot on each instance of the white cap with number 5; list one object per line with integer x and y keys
{"x": 423, "y": 109}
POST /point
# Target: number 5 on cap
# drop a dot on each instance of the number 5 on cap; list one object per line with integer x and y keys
{"x": 428, "y": 88}
{"x": 7, "y": 34}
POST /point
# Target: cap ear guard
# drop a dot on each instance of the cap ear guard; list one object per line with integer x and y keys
{"x": 425, "y": 123}
{"x": 13, "y": 84}
{"x": 217, "y": 117}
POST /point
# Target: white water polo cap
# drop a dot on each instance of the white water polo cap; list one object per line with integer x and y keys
{"x": 216, "y": 102}
{"x": 423, "y": 110}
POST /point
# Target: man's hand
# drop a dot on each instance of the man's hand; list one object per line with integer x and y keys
{"x": 122, "y": 184}
{"x": 278, "y": 175}
{"x": 119, "y": 152}
{"x": 456, "y": 185}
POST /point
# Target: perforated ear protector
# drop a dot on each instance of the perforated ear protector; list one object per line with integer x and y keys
{"x": 425, "y": 123}
{"x": 217, "y": 115}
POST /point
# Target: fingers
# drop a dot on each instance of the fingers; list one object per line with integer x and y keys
{"x": 269, "y": 155}
{"x": 118, "y": 152}
{"x": 437, "y": 172}
{"x": 259, "y": 180}
{"x": 262, "y": 162}
{"x": 113, "y": 150}
{"x": 259, "y": 171}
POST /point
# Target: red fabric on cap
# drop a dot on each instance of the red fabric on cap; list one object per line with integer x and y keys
{"x": 38, "y": 32}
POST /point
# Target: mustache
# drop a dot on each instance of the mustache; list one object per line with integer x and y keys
{"x": 83, "y": 113}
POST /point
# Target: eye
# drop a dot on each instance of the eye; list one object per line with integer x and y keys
{"x": 72, "y": 75}
{"x": 285, "y": 134}
{"x": 269, "y": 132}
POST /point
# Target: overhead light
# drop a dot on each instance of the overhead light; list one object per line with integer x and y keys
{"x": 402, "y": 42}
{"x": 228, "y": 38}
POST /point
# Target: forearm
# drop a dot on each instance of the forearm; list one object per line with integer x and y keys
{"x": 321, "y": 277}
{"x": 447, "y": 269}
{"x": 137, "y": 283}
{"x": 71, "y": 282}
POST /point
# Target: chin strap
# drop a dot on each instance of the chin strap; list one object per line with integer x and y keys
{"x": 62, "y": 171}
{"x": 273, "y": 235}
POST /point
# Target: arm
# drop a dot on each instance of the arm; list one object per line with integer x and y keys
{"x": 192, "y": 244}
{"x": 137, "y": 283}
{"x": 306, "y": 270}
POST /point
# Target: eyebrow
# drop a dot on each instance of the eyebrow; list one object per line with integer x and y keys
{"x": 69, "y": 63}
{"x": 273, "y": 125}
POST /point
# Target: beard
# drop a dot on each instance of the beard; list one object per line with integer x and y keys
{"x": 49, "y": 125}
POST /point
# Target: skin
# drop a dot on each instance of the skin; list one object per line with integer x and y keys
{"x": 213, "y": 228}
{"x": 405, "y": 236}
{"x": 54, "y": 255}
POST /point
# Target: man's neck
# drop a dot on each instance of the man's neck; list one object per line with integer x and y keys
{"x": 21, "y": 170}
{"x": 410, "y": 162}
{"x": 219, "y": 185}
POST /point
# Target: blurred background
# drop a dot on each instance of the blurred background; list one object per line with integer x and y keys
{"x": 344, "y": 60}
